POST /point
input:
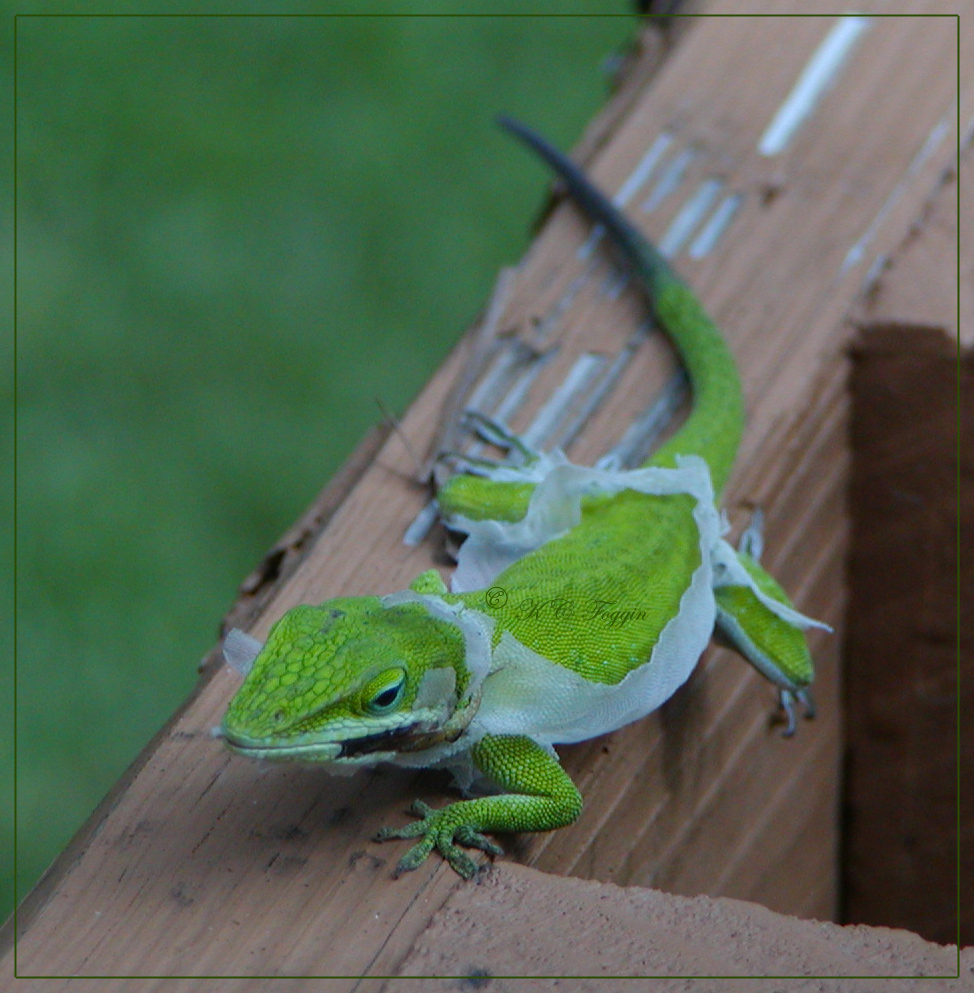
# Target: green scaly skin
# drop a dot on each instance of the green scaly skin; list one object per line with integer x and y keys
{"x": 355, "y": 681}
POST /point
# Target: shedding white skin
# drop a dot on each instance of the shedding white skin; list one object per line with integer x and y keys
{"x": 728, "y": 571}
{"x": 555, "y": 508}
{"x": 526, "y": 693}
{"x": 520, "y": 691}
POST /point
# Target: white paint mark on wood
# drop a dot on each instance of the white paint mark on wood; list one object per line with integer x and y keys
{"x": 690, "y": 215}
{"x": 819, "y": 74}
{"x": 719, "y": 221}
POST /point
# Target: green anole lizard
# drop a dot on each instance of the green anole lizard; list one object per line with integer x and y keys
{"x": 581, "y": 601}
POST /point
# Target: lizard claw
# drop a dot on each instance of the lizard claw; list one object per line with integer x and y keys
{"x": 788, "y": 698}
{"x": 469, "y": 838}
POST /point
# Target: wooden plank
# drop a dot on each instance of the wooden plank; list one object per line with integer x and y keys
{"x": 206, "y": 865}
{"x": 919, "y": 283}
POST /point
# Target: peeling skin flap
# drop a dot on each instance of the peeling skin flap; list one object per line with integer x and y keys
{"x": 555, "y": 508}
{"x": 728, "y": 571}
{"x": 240, "y": 650}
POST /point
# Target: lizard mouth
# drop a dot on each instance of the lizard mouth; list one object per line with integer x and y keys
{"x": 392, "y": 739}
{"x": 411, "y": 738}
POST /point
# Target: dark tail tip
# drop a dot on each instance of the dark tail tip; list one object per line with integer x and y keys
{"x": 515, "y": 127}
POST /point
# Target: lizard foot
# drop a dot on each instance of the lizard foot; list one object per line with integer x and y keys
{"x": 439, "y": 829}
{"x": 495, "y": 433}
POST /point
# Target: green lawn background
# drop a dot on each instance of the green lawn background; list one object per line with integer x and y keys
{"x": 234, "y": 233}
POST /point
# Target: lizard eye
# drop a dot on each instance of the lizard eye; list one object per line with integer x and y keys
{"x": 385, "y": 691}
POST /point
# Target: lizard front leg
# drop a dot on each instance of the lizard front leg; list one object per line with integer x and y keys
{"x": 542, "y": 797}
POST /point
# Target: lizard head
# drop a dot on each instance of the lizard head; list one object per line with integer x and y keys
{"x": 352, "y": 682}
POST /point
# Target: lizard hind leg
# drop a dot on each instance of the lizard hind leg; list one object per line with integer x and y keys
{"x": 755, "y": 615}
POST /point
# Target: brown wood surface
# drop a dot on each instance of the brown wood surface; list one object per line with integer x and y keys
{"x": 207, "y": 865}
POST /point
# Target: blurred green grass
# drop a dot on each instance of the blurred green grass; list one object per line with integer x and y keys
{"x": 234, "y": 234}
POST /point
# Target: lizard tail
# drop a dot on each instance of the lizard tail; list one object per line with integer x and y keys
{"x": 716, "y": 422}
